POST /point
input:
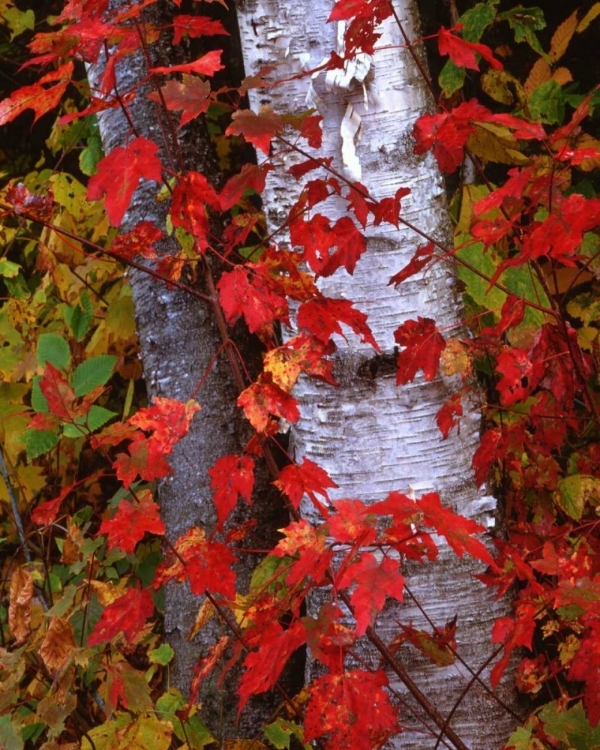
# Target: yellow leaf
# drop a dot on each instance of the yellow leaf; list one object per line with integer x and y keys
{"x": 502, "y": 86}
{"x": 562, "y": 36}
{"x": 592, "y": 14}
{"x": 455, "y": 359}
{"x": 495, "y": 143}
{"x": 205, "y": 613}
{"x": 285, "y": 373}
{"x": 107, "y": 593}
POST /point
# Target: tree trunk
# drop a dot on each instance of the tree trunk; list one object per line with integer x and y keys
{"x": 179, "y": 339}
{"x": 371, "y": 436}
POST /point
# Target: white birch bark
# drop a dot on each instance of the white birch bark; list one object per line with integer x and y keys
{"x": 371, "y": 436}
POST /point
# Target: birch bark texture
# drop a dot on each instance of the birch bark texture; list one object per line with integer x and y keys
{"x": 181, "y": 347}
{"x": 371, "y": 436}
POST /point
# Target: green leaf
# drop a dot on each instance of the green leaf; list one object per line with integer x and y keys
{"x": 196, "y": 733}
{"x": 451, "y": 78}
{"x": 520, "y": 281}
{"x": 525, "y": 22}
{"x": 280, "y": 733}
{"x": 38, "y": 400}
{"x": 11, "y": 740}
{"x": 575, "y": 492}
{"x": 269, "y": 576}
{"x": 92, "y": 373}
{"x": 547, "y": 103}
{"x": 91, "y": 155}
{"x": 162, "y": 655}
{"x": 97, "y": 417}
{"x": 18, "y": 21}
{"x": 476, "y": 20}
{"x": 54, "y": 349}
{"x": 523, "y": 739}
{"x": 571, "y": 727}
{"x": 144, "y": 732}
{"x": 80, "y": 316}
{"x": 8, "y": 268}
{"x": 38, "y": 442}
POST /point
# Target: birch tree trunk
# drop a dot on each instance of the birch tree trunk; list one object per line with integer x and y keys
{"x": 371, "y": 436}
{"x": 179, "y": 338}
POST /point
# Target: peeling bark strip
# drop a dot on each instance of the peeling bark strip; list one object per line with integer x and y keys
{"x": 371, "y": 436}
{"x": 179, "y": 337}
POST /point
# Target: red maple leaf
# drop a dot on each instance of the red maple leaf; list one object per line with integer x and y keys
{"x": 586, "y": 668}
{"x": 131, "y": 521}
{"x": 127, "y": 614}
{"x": 36, "y": 97}
{"x": 327, "y": 638}
{"x": 372, "y": 581}
{"x": 519, "y": 375}
{"x": 138, "y": 242}
{"x": 423, "y": 345}
{"x": 196, "y": 26}
{"x": 388, "y": 209}
{"x": 58, "y": 393}
{"x": 338, "y": 709}
{"x": 45, "y": 513}
{"x": 251, "y": 177}
{"x": 206, "y": 564}
{"x": 263, "y": 667}
{"x": 309, "y": 546}
{"x": 323, "y": 316}
{"x": 458, "y": 530}
{"x": 345, "y": 10}
{"x": 31, "y": 204}
{"x": 511, "y": 315}
{"x": 561, "y": 233}
{"x": 119, "y": 174}
{"x": 191, "y": 97}
{"x": 463, "y": 53}
{"x": 192, "y": 197}
{"x": 420, "y": 260}
{"x": 206, "y": 65}
{"x": 246, "y": 292}
{"x": 513, "y": 632}
{"x": 262, "y": 399}
{"x": 446, "y": 417}
{"x": 364, "y": 28}
{"x": 231, "y": 477}
{"x": 139, "y": 462}
{"x": 447, "y": 134}
{"x": 307, "y": 478}
{"x": 167, "y": 419}
{"x": 352, "y": 523}
{"x": 318, "y": 238}
{"x": 356, "y": 197}
{"x": 258, "y": 129}
{"x": 303, "y": 353}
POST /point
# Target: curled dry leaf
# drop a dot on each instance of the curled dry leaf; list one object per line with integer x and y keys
{"x": 19, "y": 608}
{"x": 58, "y": 644}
